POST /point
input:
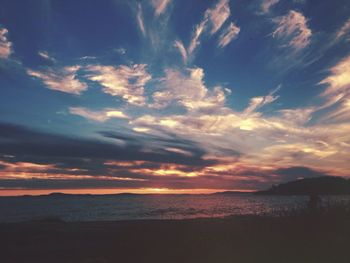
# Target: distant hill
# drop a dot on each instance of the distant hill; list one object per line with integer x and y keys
{"x": 80, "y": 195}
{"x": 325, "y": 185}
{"x": 231, "y": 193}
{"x": 64, "y": 195}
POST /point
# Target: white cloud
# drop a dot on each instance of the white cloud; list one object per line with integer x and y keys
{"x": 188, "y": 90}
{"x": 179, "y": 45}
{"x": 177, "y": 86}
{"x": 139, "y": 17}
{"x": 123, "y": 81}
{"x": 267, "y": 4}
{"x": 258, "y": 102}
{"x": 344, "y": 31}
{"x": 230, "y": 33}
{"x": 339, "y": 80}
{"x": 284, "y": 138}
{"x": 5, "y": 44}
{"x": 99, "y": 116}
{"x": 293, "y": 30}
{"x": 63, "y": 79}
{"x": 160, "y": 6}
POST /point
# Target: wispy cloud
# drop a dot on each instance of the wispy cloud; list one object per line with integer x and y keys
{"x": 298, "y": 116}
{"x": 120, "y": 51}
{"x": 293, "y": 30}
{"x": 139, "y": 18}
{"x": 339, "y": 80}
{"x": 99, "y": 116}
{"x": 160, "y": 6}
{"x": 123, "y": 81}
{"x": 269, "y": 141}
{"x": 344, "y": 31}
{"x": 88, "y": 58}
{"x": 196, "y": 35}
{"x": 61, "y": 79}
{"x": 45, "y": 55}
{"x": 218, "y": 15}
{"x": 337, "y": 92}
{"x": 5, "y": 44}
{"x": 213, "y": 20}
{"x": 179, "y": 45}
{"x": 228, "y": 34}
{"x": 341, "y": 113}
{"x": 266, "y": 5}
{"x": 258, "y": 102}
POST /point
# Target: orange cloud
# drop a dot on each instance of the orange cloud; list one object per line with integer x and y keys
{"x": 5, "y": 44}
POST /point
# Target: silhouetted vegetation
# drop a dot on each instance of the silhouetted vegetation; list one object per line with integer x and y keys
{"x": 326, "y": 209}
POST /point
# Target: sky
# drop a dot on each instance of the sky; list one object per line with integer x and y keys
{"x": 172, "y": 95}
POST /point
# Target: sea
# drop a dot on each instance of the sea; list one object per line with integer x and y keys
{"x": 151, "y": 206}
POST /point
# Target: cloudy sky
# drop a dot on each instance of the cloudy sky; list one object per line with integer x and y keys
{"x": 173, "y": 95}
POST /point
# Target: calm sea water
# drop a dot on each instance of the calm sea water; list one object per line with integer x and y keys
{"x": 125, "y": 207}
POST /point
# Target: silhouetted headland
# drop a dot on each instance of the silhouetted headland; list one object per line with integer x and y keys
{"x": 325, "y": 185}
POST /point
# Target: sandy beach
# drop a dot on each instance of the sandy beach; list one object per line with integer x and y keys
{"x": 239, "y": 239}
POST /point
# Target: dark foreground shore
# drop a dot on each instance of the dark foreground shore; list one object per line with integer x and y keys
{"x": 248, "y": 239}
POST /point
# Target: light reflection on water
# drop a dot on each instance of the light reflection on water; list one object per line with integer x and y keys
{"x": 125, "y": 207}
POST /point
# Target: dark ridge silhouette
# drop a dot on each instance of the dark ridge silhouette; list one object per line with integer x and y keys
{"x": 82, "y": 195}
{"x": 324, "y": 185}
{"x": 231, "y": 193}
{"x": 63, "y": 195}
{"x": 56, "y": 194}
